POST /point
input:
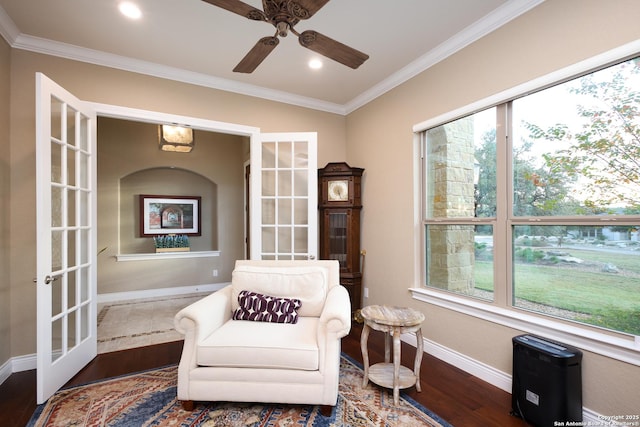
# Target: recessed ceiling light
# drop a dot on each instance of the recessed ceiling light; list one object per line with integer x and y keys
{"x": 315, "y": 64}
{"x": 130, "y": 10}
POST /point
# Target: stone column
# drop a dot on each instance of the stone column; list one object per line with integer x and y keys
{"x": 451, "y": 148}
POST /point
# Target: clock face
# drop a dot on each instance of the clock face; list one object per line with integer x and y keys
{"x": 338, "y": 191}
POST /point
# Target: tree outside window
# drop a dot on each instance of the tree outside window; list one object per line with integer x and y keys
{"x": 573, "y": 200}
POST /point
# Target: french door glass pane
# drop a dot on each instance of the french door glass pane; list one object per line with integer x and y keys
{"x": 57, "y": 296}
{"x": 71, "y": 207}
{"x": 85, "y": 322}
{"x": 71, "y": 166}
{"x": 301, "y": 240}
{"x": 56, "y": 162}
{"x": 301, "y": 183}
{"x": 284, "y": 155}
{"x": 71, "y": 248}
{"x": 284, "y": 240}
{"x": 56, "y": 206}
{"x": 301, "y": 212}
{"x": 57, "y": 328}
{"x": 284, "y": 211}
{"x": 85, "y": 284}
{"x": 85, "y": 244}
{"x": 84, "y": 209}
{"x": 269, "y": 155}
{"x": 72, "y": 294}
{"x": 71, "y": 126}
{"x": 301, "y": 155}
{"x": 284, "y": 183}
{"x": 269, "y": 211}
{"x": 71, "y": 329}
{"x": 268, "y": 183}
{"x": 85, "y": 137}
{"x": 56, "y": 118}
{"x": 268, "y": 240}
{"x": 84, "y": 161}
{"x": 56, "y": 249}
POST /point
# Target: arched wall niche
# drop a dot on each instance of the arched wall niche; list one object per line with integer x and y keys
{"x": 166, "y": 181}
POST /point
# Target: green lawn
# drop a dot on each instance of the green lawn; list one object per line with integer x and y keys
{"x": 609, "y": 300}
{"x": 627, "y": 262}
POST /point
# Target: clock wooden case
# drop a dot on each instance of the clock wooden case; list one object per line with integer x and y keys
{"x": 340, "y": 205}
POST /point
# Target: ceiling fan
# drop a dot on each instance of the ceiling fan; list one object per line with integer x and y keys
{"x": 284, "y": 15}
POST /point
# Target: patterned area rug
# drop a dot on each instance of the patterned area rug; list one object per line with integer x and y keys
{"x": 149, "y": 399}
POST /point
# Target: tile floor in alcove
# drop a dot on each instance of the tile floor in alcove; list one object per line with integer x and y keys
{"x": 136, "y": 323}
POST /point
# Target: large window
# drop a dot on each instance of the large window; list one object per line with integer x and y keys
{"x": 551, "y": 182}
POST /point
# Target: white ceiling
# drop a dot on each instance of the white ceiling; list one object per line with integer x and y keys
{"x": 195, "y": 42}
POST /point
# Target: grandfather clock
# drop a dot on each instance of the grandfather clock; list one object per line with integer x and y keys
{"x": 340, "y": 203}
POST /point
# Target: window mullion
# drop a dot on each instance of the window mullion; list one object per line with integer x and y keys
{"x": 502, "y": 230}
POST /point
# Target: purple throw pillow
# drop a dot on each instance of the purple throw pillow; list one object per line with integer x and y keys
{"x": 264, "y": 308}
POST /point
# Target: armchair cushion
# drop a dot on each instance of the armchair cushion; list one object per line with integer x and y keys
{"x": 241, "y": 344}
{"x": 307, "y": 283}
{"x": 265, "y": 308}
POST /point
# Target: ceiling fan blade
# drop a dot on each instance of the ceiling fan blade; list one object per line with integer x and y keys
{"x": 256, "y": 55}
{"x": 332, "y": 49}
{"x": 305, "y": 9}
{"x": 241, "y": 8}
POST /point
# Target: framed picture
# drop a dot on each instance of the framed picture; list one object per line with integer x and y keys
{"x": 169, "y": 215}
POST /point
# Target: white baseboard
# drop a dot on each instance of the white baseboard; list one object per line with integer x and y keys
{"x": 483, "y": 371}
{"x": 5, "y": 371}
{"x": 155, "y": 293}
{"x": 29, "y": 362}
{"x": 24, "y": 363}
{"x": 17, "y": 364}
{"x": 478, "y": 369}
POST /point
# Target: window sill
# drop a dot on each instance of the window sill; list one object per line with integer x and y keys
{"x": 623, "y": 348}
{"x": 166, "y": 255}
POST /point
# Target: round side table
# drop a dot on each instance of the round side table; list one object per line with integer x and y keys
{"x": 393, "y": 321}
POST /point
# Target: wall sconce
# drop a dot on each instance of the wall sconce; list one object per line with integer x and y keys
{"x": 175, "y": 138}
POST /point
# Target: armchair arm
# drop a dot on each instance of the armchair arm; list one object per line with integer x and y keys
{"x": 197, "y": 321}
{"x": 203, "y": 317}
{"x": 336, "y": 314}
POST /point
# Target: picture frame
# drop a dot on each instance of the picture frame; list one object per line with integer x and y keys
{"x": 161, "y": 215}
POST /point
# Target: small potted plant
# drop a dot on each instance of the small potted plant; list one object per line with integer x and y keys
{"x": 172, "y": 243}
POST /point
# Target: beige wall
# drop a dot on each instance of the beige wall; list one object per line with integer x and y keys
{"x": 109, "y": 86}
{"x": 214, "y": 171}
{"x": 554, "y": 35}
{"x": 5, "y": 303}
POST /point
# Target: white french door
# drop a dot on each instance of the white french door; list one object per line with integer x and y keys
{"x": 66, "y": 236}
{"x": 283, "y": 221}
{"x": 284, "y": 196}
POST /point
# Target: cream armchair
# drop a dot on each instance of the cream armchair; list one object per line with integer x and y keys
{"x": 259, "y": 361}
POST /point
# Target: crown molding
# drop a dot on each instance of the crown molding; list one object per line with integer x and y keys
{"x": 510, "y": 10}
{"x": 76, "y": 53}
{"x": 8, "y": 29}
{"x": 472, "y": 33}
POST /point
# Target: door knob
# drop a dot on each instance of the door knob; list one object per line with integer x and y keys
{"x": 49, "y": 279}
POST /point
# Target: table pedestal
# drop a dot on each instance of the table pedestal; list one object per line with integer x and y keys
{"x": 393, "y": 321}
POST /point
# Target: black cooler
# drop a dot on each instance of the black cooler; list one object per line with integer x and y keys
{"x": 547, "y": 381}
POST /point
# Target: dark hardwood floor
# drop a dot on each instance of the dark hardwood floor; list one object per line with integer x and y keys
{"x": 454, "y": 395}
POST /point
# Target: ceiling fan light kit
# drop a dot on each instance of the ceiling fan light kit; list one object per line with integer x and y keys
{"x": 284, "y": 15}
